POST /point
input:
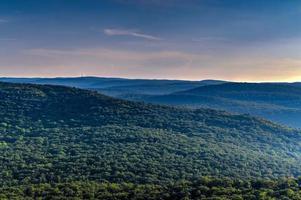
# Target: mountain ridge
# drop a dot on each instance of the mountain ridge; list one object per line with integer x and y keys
{"x": 277, "y": 102}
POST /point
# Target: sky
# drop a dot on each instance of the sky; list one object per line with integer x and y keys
{"x": 238, "y": 40}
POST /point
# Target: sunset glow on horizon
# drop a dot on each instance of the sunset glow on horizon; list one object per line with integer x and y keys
{"x": 235, "y": 40}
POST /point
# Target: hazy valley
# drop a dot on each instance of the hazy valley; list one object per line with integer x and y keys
{"x": 278, "y": 102}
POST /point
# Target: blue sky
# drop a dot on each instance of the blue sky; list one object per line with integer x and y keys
{"x": 241, "y": 40}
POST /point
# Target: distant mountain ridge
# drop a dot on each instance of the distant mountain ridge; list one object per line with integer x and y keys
{"x": 278, "y": 102}
{"x": 123, "y": 86}
{"x": 118, "y": 86}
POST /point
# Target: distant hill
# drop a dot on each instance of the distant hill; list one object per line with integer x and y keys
{"x": 60, "y": 134}
{"x": 278, "y": 102}
{"x": 118, "y": 87}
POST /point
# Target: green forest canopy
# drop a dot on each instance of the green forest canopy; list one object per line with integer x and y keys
{"x": 55, "y": 134}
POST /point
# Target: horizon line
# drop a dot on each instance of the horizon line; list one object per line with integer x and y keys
{"x": 154, "y": 79}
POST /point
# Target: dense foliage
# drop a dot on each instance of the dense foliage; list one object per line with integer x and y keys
{"x": 204, "y": 188}
{"x": 56, "y": 134}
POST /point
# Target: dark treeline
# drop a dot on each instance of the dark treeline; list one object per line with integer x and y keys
{"x": 204, "y": 188}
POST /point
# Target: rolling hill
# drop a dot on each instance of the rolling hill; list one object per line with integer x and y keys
{"x": 278, "y": 102}
{"x": 283, "y": 108}
{"x": 118, "y": 87}
{"x": 52, "y": 134}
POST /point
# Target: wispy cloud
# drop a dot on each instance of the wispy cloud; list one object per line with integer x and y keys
{"x": 160, "y": 3}
{"x": 173, "y": 64}
{"x": 8, "y": 39}
{"x": 127, "y": 32}
{"x": 2, "y": 21}
{"x": 210, "y": 39}
{"x": 116, "y": 62}
{"x": 122, "y": 55}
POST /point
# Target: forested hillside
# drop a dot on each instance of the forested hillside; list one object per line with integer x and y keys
{"x": 205, "y": 188}
{"x": 278, "y": 102}
{"x": 56, "y": 134}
